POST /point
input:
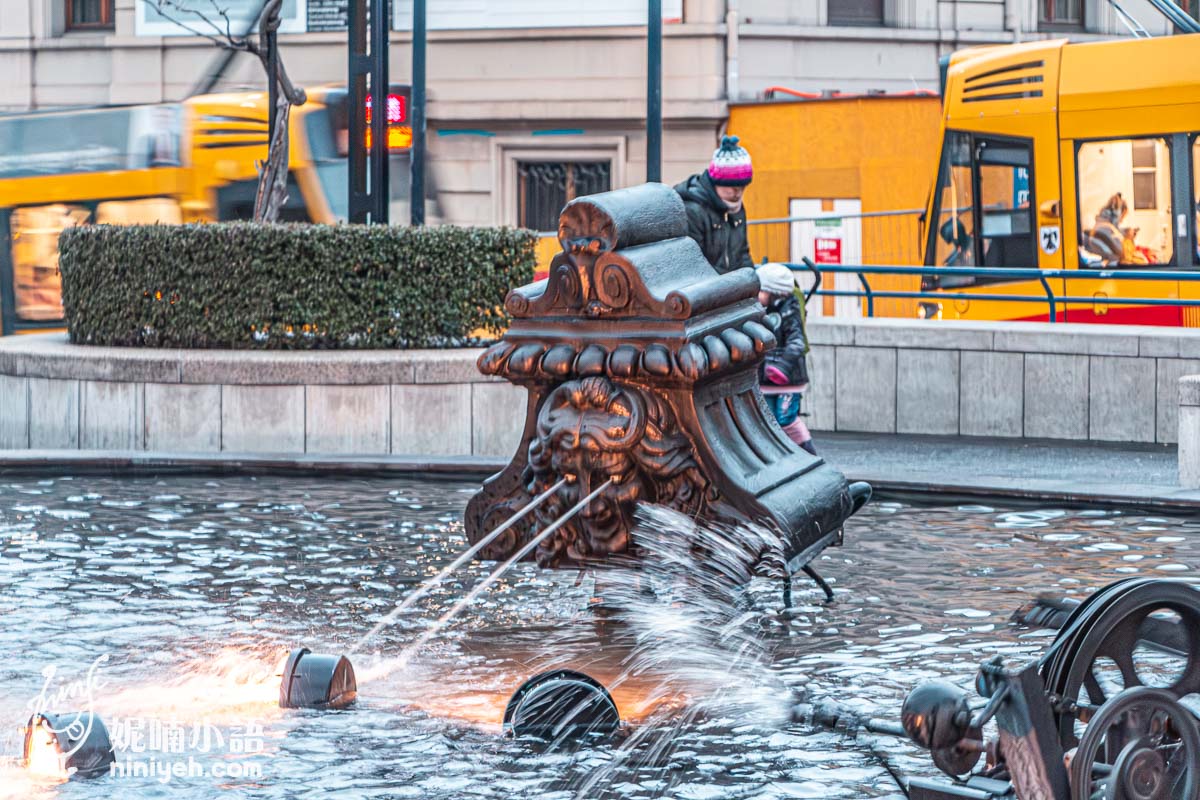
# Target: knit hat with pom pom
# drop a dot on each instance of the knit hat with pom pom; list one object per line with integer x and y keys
{"x": 730, "y": 165}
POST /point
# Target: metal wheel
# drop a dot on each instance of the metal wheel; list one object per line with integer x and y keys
{"x": 1143, "y": 745}
{"x": 1080, "y": 619}
{"x": 1134, "y": 633}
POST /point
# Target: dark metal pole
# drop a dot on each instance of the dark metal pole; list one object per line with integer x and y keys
{"x": 654, "y": 92}
{"x": 380, "y": 195}
{"x": 359, "y": 67}
{"x": 418, "y": 114}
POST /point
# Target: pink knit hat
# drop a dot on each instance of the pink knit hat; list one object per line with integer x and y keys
{"x": 730, "y": 165}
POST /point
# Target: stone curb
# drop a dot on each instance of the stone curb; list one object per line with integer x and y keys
{"x": 1024, "y": 337}
{"x": 15, "y": 462}
{"x": 127, "y": 461}
{"x": 52, "y": 356}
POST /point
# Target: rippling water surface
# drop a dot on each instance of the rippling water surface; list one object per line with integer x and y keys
{"x": 182, "y": 594}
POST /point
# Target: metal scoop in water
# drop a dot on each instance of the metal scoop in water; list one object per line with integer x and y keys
{"x": 317, "y": 680}
{"x": 562, "y": 706}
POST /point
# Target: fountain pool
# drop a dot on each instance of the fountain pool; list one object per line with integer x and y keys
{"x": 166, "y": 606}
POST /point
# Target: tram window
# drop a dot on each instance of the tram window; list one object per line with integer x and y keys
{"x": 1006, "y": 233}
{"x": 984, "y": 212}
{"x": 956, "y": 196}
{"x": 236, "y": 201}
{"x": 37, "y": 285}
{"x": 147, "y": 211}
{"x": 1145, "y": 174}
{"x": 1124, "y": 202}
{"x": 1196, "y": 192}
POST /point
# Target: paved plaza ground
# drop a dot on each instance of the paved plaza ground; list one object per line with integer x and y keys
{"x": 1086, "y": 472}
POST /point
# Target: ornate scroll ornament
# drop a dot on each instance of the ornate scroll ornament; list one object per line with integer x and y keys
{"x": 584, "y": 283}
{"x": 593, "y": 430}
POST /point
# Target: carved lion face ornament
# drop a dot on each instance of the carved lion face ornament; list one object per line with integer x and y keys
{"x": 588, "y": 432}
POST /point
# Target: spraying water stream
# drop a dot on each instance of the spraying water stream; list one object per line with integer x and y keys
{"x": 425, "y": 588}
{"x": 499, "y": 572}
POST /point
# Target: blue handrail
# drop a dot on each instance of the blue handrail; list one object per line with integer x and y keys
{"x": 1043, "y": 276}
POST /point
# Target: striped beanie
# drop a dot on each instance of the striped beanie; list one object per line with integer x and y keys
{"x": 730, "y": 165}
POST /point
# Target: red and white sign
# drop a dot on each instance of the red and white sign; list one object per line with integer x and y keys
{"x": 396, "y": 111}
{"x": 827, "y": 251}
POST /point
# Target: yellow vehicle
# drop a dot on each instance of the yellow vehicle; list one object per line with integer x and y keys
{"x": 1069, "y": 156}
{"x": 184, "y": 162}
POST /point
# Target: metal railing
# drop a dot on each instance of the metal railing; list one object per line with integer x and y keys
{"x": 1043, "y": 276}
{"x": 835, "y": 215}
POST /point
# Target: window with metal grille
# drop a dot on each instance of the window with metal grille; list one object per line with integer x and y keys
{"x": 1060, "y": 13}
{"x": 544, "y": 187}
{"x": 85, "y": 14}
{"x": 855, "y": 12}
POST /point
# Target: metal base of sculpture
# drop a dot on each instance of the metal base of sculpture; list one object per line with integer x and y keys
{"x": 1078, "y": 723}
{"x": 641, "y": 363}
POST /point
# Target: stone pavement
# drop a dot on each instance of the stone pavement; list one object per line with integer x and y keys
{"x": 921, "y": 466}
{"x": 1079, "y": 472}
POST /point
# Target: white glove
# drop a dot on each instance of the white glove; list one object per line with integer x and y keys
{"x": 776, "y": 279}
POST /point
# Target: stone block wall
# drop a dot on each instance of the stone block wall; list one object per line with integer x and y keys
{"x": 1113, "y": 383}
{"x": 54, "y": 395}
{"x": 986, "y": 379}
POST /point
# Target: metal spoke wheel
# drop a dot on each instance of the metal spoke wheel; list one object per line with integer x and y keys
{"x": 1142, "y": 745}
{"x": 1132, "y": 633}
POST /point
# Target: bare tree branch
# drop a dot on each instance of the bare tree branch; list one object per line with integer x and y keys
{"x": 185, "y": 10}
{"x": 272, "y": 171}
{"x": 224, "y": 13}
{"x": 219, "y": 39}
{"x": 295, "y": 95}
{"x": 268, "y": 21}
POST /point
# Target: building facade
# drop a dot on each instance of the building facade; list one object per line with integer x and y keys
{"x": 534, "y": 101}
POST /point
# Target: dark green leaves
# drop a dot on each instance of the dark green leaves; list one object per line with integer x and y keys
{"x": 242, "y": 285}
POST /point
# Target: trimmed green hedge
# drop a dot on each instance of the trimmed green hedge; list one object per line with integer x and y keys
{"x": 242, "y": 285}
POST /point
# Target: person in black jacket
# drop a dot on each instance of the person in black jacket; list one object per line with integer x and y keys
{"x": 785, "y": 365}
{"x": 716, "y": 216}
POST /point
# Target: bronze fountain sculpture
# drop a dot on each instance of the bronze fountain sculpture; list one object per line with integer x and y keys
{"x": 641, "y": 364}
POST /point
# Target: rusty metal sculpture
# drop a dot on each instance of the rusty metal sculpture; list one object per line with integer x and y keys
{"x": 1078, "y": 723}
{"x": 641, "y": 365}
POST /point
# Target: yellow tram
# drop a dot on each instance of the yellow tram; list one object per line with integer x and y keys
{"x": 1068, "y": 156}
{"x": 193, "y": 161}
